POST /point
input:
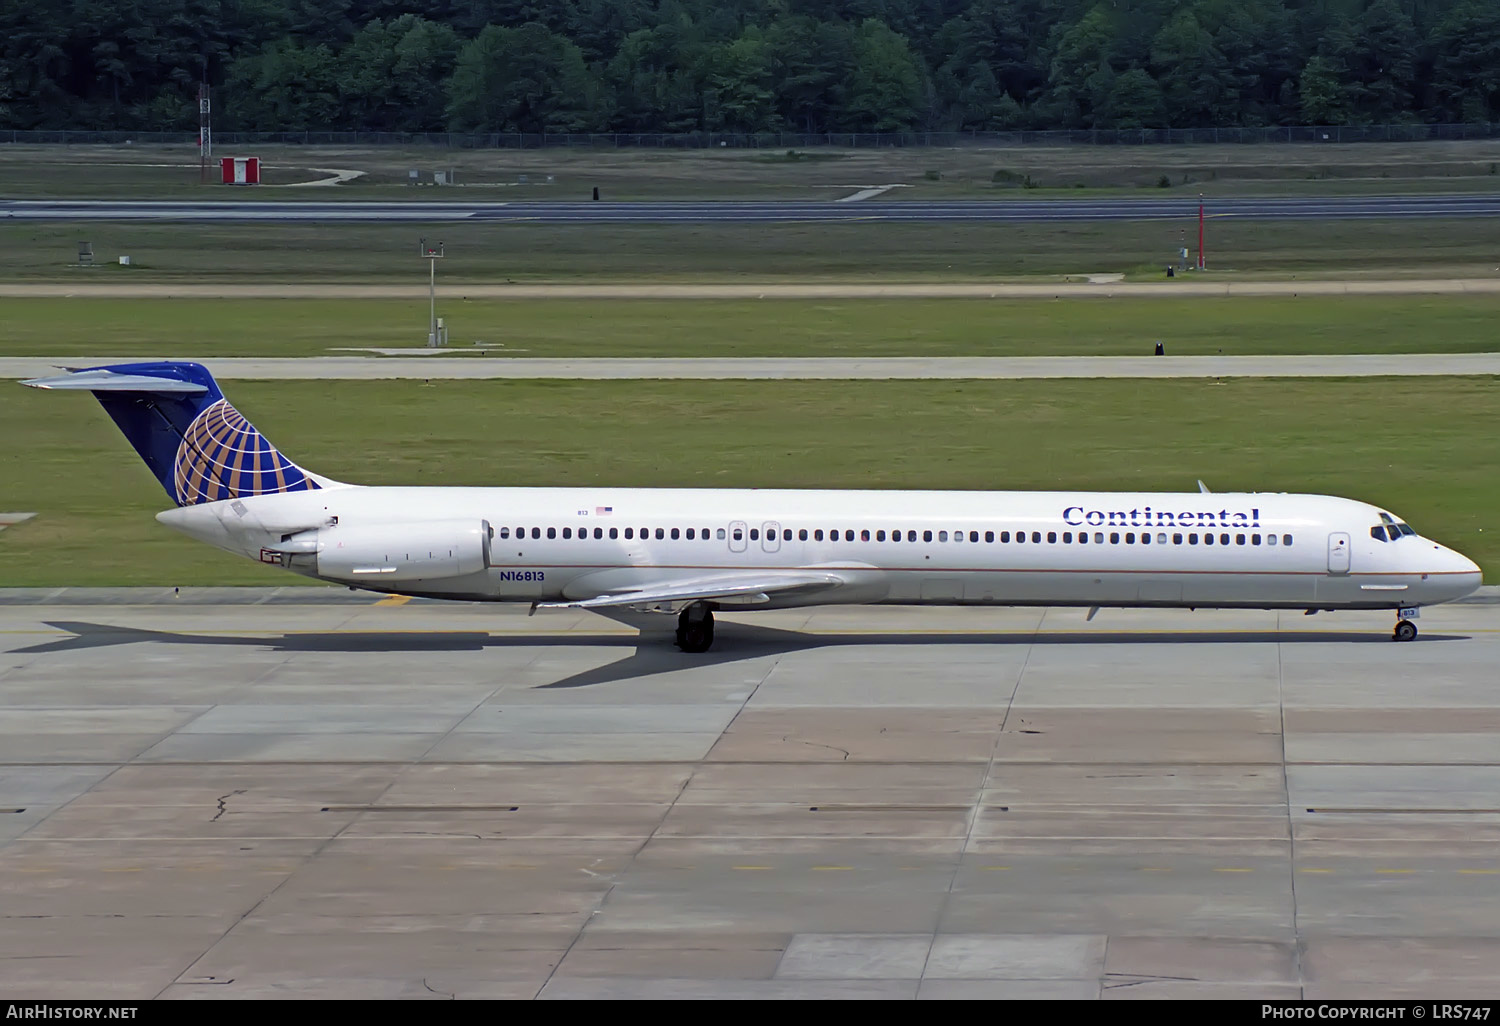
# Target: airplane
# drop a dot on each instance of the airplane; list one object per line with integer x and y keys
{"x": 644, "y": 555}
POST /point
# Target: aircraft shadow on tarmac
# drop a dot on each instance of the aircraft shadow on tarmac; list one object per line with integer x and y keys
{"x": 654, "y": 654}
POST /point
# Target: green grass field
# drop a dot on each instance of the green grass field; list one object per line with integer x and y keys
{"x": 772, "y": 327}
{"x": 866, "y": 251}
{"x": 1426, "y": 448}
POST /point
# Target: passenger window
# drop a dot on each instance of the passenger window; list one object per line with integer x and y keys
{"x": 1005, "y": 537}
{"x": 1098, "y": 537}
{"x": 674, "y": 533}
{"x": 1239, "y": 539}
{"x": 704, "y": 533}
{"x": 1083, "y": 537}
{"x": 958, "y": 536}
{"x": 864, "y": 536}
{"x": 848, "y": 536}
{"x": 786, "y": 534}
{"x": 660, "y": 534}
{"x": 598, "y": 532}
{"x": 551, "y": 532}
{"x": 1020, "y": 537}
{"x": 1161, "y": 538}
{"x": 536, "y": 532}
{"x": 989, "y": 536}
{"x": 568, "y": 533}
{"x": 1192, "y": 539}
{"x": 1114, "y": 537}
{"x": 911, "y": 536}
{"x": 755, "y": 534}
{"x": 1223, "y": 539}
{"x": 630, "y": 533}
{"x": 942, "y": 536}
{"x": 1208, "y": 539}
{"x": 614, "y": 533}
{"x": 1255, "y": 539}
{"x": 1129, "y": 537}
{"x": 833, "y": 536}
{"x": 1286, "y": 539}
{"x": 505, "y": 532}
{"x": 1051, "y": 537}
{"x": 880, "y": 536}
{"x": 818, "y": 535}
{"x": 1176, "y": 539}
{"x": 1036, "y": 536}
{"x": 1145, "y": 537}
{"x": 689, "y": 534}
{"x": 973, "y": 536}
{"x": 802, "y": 535}
{"x": 1270, "y": 539}
{"x": 895, "y": 536}
{"x": 927, "y": 536}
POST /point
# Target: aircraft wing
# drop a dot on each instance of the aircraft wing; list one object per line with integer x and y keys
{"x": 747, "y": 588}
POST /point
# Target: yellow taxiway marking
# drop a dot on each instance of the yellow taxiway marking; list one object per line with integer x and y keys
{"x": 1233, "y": 869}
{"x": 752, "y": 867}
{"x": 1156, "y": 869}
{"x": 1309, "y": 869}
{"x": 394, "y": 600}
{"x": 1477, "y": 872}
{"x": 993, "y": 868}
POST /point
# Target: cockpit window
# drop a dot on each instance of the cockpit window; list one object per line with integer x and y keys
{"x": 1390, "y": 528}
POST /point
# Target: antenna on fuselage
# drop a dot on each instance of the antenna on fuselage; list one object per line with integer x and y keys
{"x": 1203, "y": 488}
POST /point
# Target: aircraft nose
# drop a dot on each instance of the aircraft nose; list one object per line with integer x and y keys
{"x": 1460, "y": 573}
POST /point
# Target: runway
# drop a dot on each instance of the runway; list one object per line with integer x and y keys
{"x": 760, "y": 212}
{"x": 498, "y": 366}
{"x": 318, "y": 794}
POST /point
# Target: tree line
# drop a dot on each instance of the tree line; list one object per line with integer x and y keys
{"x": 746, "y": 65}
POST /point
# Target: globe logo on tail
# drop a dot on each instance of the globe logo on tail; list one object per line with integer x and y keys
{"x": 222, "y": 456}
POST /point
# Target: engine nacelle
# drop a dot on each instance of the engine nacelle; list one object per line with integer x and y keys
{"x": 421, "y": 550}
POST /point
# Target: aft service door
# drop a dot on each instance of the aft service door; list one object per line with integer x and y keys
{"x": 771, "y": 540}
{"x": 1338, "y": 553}
{"x": 737, "y": 533}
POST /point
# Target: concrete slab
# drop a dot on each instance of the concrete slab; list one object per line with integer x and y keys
{"x": 1015, "y": 957}
{"x": 855, "y": 957}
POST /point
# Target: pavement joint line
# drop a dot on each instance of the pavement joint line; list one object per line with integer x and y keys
{"x": 592, "y": 633}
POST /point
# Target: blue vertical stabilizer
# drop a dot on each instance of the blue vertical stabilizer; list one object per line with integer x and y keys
{"x": 199, "y": 447}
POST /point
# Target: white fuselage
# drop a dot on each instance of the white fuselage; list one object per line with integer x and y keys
{"x": 1268, "y": 550}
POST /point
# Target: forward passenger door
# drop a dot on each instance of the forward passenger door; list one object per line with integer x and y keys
{"x": 1338, "y": 553}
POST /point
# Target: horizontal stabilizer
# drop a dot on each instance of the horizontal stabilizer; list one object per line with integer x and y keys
{"x": 112, "y": 381}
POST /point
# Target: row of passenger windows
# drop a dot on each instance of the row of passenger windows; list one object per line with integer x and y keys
{"x": 692, "y": 534}
{"x": 833, "y": 535}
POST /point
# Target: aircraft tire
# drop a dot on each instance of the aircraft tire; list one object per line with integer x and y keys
{"x": 1405, "y": 631}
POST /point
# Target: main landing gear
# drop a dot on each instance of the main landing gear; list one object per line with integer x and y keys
{"x": 1405, "y": 631}
{"x": 695, "y": 628}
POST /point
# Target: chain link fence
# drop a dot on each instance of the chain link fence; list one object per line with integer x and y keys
{"x": 779, "y": 140}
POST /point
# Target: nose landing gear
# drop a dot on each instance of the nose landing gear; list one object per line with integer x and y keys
{"x": 695, "y": 628}
{"x": 1405, "y": 631}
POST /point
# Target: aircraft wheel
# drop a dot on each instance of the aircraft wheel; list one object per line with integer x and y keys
{"x": 695, "y": 635}
{"x": 1405, "y": 630}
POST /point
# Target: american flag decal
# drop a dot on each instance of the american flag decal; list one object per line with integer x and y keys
{"x": 603, "y": 511}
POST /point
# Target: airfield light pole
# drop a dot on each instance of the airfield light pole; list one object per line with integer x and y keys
{"x": 432, "y": 253}
{"x": 1202, "y": 262}
{"x": 205, "y": 134}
